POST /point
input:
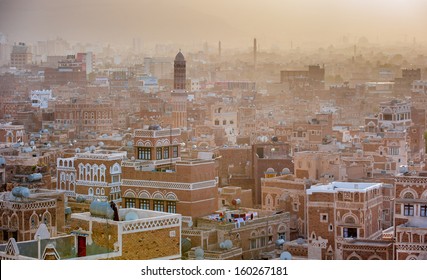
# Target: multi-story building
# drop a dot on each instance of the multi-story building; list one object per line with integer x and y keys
{"x": 84, "y": 116}
{"x": 410, "y": 217}
{"x": 158, "y": 179}
{"x": 23, "y": 210}
{"x": 287, "y": 193}
{"x": 21, "y": 56}
{"x": 40, "y": 98}
{"x": 136, "y": 235}
{"x": 69, "y": 70}
{"x": 240, "y": 233}
{"x": 394, "y": 115}
{"x": 343, "y": 211}
{"x": 12, "y": 133}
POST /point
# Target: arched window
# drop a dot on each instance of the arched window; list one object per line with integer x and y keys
{"x": 14, "y": 222}
{"x": 95, "y": 172}
{"x": 81, "y": 171}
{"x": 349, "y": 220}
{"x": 88, "y": 173}
{"x": 34, "y": 221}
{"x": 116, "y": 169}
{"x": 90, "y": 191}
{"x": 102, "y": 169}
{"x": 47, "y": 219}
{"x": 4, "y": 220}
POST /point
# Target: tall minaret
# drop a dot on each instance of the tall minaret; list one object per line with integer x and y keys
{"x": 179, "y": 72}
{"x": 219, "y": 49}
{"x": 179, "y": 95}
{"x": 255, "y": 50}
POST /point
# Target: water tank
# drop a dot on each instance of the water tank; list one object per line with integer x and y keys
{"x": 101, "y": 209}
{"x": 199, "y": 254}
{"x": 403, "y": 169}
{"x": 228, "y": 244}
{"x": 27, "y": 150}
{"x": 34, "y": 177}
{"x": 130, "y": 216}
{"x": 285, "y": 256}
{"x": 185, "y": 245}
{"x": 286, "y": 171}
{"x": 21, "y": 192}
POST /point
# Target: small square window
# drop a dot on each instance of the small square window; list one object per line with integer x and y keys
{"x": 324, "y": 218}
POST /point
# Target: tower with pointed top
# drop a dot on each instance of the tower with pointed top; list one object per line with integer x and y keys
{"x": 179, "y": 95}
{"x": 179, "y": 72}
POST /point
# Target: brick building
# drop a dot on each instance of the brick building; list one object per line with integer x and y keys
{"x": 158, "y": 179}
{"x": 93, "y": 174}
{"x": 23, "y": 210}
{"x": 137, "y": 235}
{"x": 287, "y": 193}
{"x": 410, "y": 219}
{"x": 339, "y": 211}
{"x": 249, "y": 232}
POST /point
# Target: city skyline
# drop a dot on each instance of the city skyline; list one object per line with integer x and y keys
{"x": 274, "y": 23}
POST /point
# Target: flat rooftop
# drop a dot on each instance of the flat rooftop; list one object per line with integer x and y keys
{"x": 343, "y": 186}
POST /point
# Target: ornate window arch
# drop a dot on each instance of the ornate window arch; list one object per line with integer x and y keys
{"x": 47, "y": 219}
{"x": 269, "y": 201}
{"x": 409, "y": 193}
{"x": 102, "y": 169}
{"x": 95, "y": 169}
{"x": 81, "y": 171}
{"x": 116, "y": 169}
{"x": 90, "y": 192}
{"x": 354, "y": 256}
{"x": 4, "y": 220}
{"x": 144, "y": 194}
{"x": 34, "y": 221}
{"x": 412, "y": 257}
{"x": 129, "y": 193}
{"x": 14, "y": 224}
{"x": 88, "y": 172}
{"x": 375, "y": 257}
{"x": 171, "y": 196}
{"x": 350, "y": 218}
{"x": 158, "y": 195}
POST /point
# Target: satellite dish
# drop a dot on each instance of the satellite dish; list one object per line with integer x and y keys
{"x": 274, "y": 139}
{"x": 285, "y": 256}
{"x": 190, "y": 223}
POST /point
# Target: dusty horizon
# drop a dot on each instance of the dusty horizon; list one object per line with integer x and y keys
{"x": 235, "y": 23}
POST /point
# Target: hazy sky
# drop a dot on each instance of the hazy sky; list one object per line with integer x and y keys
{"x": 231, "y": 21}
